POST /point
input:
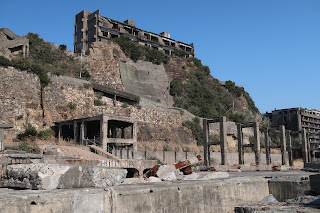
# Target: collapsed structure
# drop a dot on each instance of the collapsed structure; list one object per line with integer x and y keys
{"x": 297, "y": 119}
{"x": 10, "y": 43}
{"x": 92, "y": 27}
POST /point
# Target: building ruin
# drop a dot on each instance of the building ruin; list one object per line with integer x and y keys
{"x": 11, "y": 43}
{"x": 92, "y": 27}
{"x": 107, "y": 131}
{"x": 297, "y": 119}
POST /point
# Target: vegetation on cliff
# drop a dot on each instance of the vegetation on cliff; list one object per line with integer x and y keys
{"x": 135, "y": 51}
{"x": 45, "y": 57}
{"x": 203, "y": 95}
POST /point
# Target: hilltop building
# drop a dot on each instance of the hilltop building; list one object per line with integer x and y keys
{"x": 10, "y": 43}
{"x": 92, "y": 27}
{"x": 296, "y": 119}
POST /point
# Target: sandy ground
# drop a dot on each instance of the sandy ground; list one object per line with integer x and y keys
{"x": 79, "y": 152}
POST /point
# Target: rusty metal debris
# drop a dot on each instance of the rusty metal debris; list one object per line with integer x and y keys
{"x": 184, "y": 166}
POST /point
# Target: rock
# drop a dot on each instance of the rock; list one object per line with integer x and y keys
{"x": 269, "y": 199}
{"x": 154, "y": 179}
{"x": 215, "y": 175}
{"x": 165, "y": 169}
{"x": 170, "y": 176}
{"x": 193, "y": 176}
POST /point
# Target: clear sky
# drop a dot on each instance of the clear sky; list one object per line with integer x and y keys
{"x": 271, "y": 47}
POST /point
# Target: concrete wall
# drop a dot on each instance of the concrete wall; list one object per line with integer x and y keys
{"x": 198, "y": 196}
{"x": 170, "y": 157}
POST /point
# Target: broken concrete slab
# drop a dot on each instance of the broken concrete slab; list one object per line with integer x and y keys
{"x": 170, "y": 176}
{"x": 154, "y": 179}
{"x": 55, "y": 176}
{"x": 215, "y": 175}
{"x": 193, "y": 176}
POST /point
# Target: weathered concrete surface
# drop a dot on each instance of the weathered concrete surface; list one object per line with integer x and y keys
{"x": 196, "y": 196}
{"x": 55, "y": 176}
{"x": 283, "y": 188}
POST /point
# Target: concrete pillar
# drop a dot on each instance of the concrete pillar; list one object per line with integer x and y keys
{"x": 299, "y": 127}
{"x": 223, "y": 141}
{"x": 134, "y": 136}
{"x": 289, "y": 143}
{"x": 205, "y": 141}
{"x": 59, "y": 132}
{"x": 240, "y": 144}
{"x": 256, "y": 142}
{"x": 81, "y": 133}
{"x": 283, "y": 144}
{"x": 304, "y": 146}
{"x": 308, "y": 146}
{"x": 75, "y": 131}
{"x": 104, "y": 131}
{"x": 1, "y": 139}
{"x": 267, "y": 146}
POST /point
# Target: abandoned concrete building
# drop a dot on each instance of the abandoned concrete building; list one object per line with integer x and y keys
{"x": 296, "y": 119}
{"x": 12, "y": 43}
{"x": 105, "y": 131}
{"x": 92, "y": 27}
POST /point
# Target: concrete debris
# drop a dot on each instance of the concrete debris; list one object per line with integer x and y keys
{"x": 55, "y": 176}
{"x": 153, "y": 179}
{"x": 193, "y": 176}
{"x": 234, "y": 170}
{"x": 134, "y": 180}
{"x": 215, "y": 175}
{"x": 185, "y": 166}
{"x": 170, "y": 176}
{"x": 269, "y": 199}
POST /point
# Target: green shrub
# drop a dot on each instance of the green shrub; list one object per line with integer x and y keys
{"x": 196, "y": 129}
{"x": 136, "y": 51}
{"x": 98, "y": 102}
{"x": 125, "y": 105}
{"x": 137, "y": 99}
{"x": 63, "y": 47}
{"x": 98, "y": 95}
{"x": 236, "y": 117}
{"x": 166, "y": 147}
{"x": 87, "y": 86}
{"x": 45, "y": 134}
{"x": 139, "y": 106}
{"x": 158, "y": 100}
{"x": 85, "y": 74}
{"x": 29, "y": 147}
{"x": 5, "y": 62}
{"x": 28, "y": 132}
{"x": 72, "y": 106}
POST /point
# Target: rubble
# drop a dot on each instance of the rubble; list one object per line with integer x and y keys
{"x": 56, "y": 176}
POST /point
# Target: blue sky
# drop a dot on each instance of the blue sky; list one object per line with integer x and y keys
{"x": 271, "y": 47}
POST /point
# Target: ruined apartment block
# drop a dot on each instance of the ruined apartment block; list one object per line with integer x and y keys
{"x": 92, "y": 27}
{"x": 12, "y": 43}
{"x": 296, "y": 119}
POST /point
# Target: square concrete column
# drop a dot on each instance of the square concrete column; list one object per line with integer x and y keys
{"x": 1, "y": 139}
{"x": 240, "y": 144}
{"x": 75, "y": 131}
{"x": 134, "y": 136}
{"x": 205, "y": 141}
{"x": 308, "y": 146}
{"x": 267, "y": 146}
{"x": 104, "y": 131}
{"x": 304, "y": 146}
{"x": 256, "y": 142}
{"x": 81, "y": 132}
{"x": 59, "y": 132}
{"x": 223, "y": 140}
{"x": 283, "y": 144}
{"x": 289, "y": 143}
